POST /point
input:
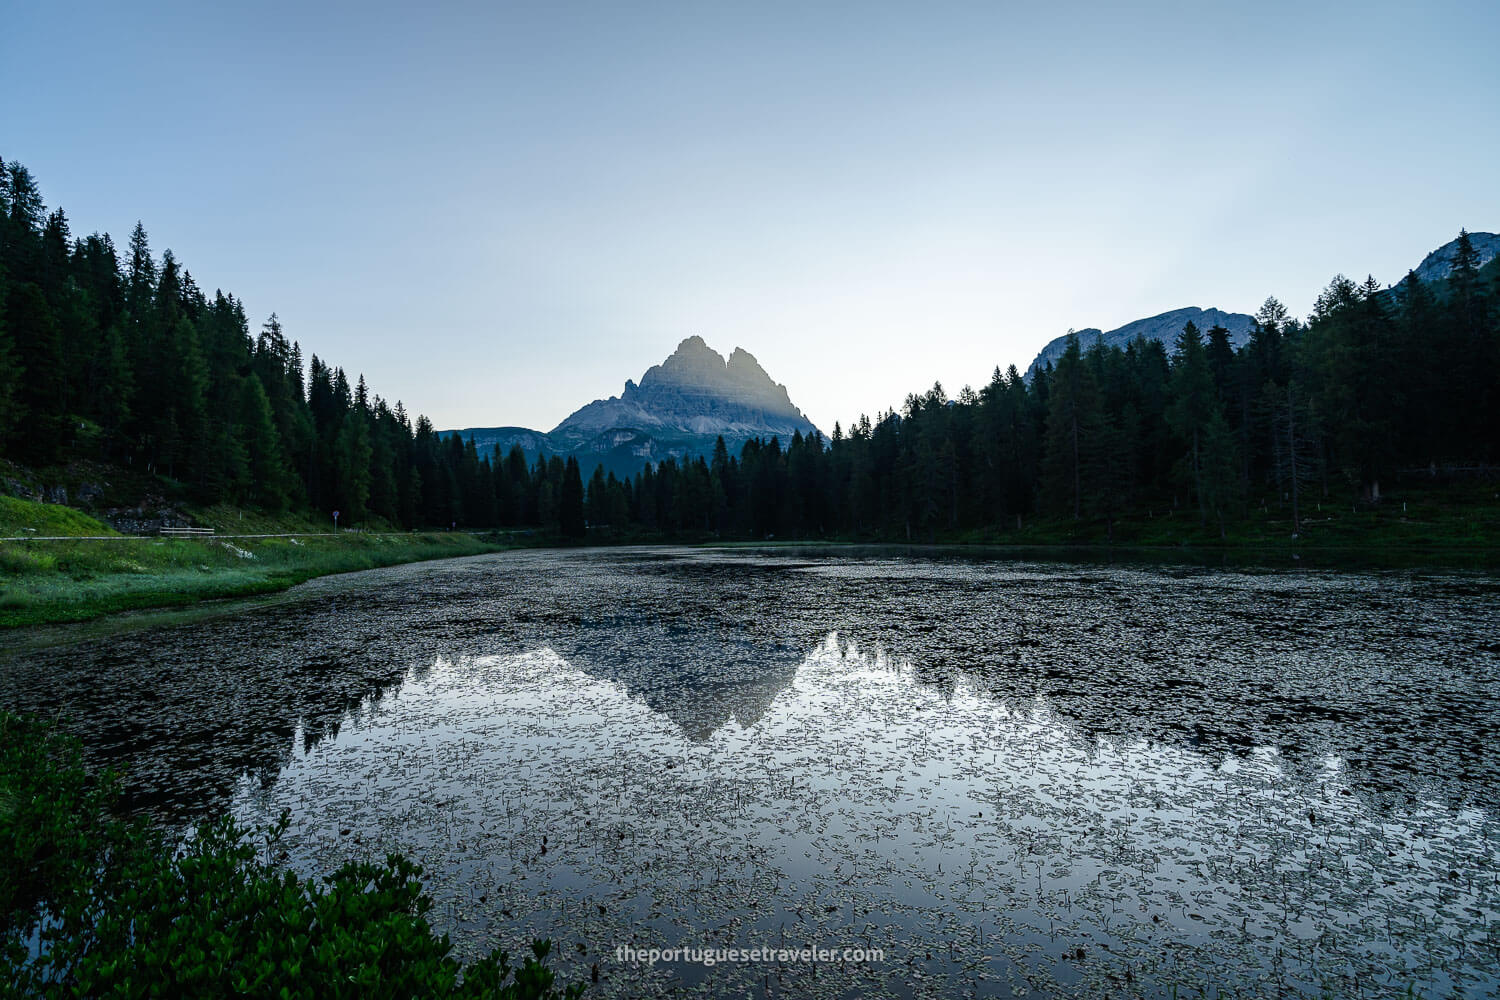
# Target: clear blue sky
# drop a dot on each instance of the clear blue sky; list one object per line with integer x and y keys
{"x": 500, "y": 212}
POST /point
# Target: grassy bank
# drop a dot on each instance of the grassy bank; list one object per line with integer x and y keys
{"x": 74, "y": 580}
{"x": 21, "y": 518}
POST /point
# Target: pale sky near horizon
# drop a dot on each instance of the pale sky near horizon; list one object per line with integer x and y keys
{"x": 499, "y": 212}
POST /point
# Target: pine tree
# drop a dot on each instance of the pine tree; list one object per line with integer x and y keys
{"x": 23, "y": 199}
{"x": 596, "y": 503}
{"x": 352, "y": 468}
{"x": 1120, "y": 439}
{"x": 1219, "y": 473}
{"x": 11, "y": 373}
{"x": 34, "y": 333}
{"x": 1464, "y": 277}
{"x": 1297, "y": 445}
{"x": 267, "y": 465}
{"x": 188, "y": 388}
{"x": 142, "y": 269}
{"x": 111, "y": 386}
{"x": 1221, "y": 360}
{"x": 1070, "y": 462}
{"x": 1194, "y": 405}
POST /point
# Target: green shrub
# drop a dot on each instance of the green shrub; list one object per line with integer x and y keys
{"x": 94, "y": 905}
{"x": 17, "y": 559}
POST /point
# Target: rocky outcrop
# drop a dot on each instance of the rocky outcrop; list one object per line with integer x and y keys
{"x": 1439, "y": 264}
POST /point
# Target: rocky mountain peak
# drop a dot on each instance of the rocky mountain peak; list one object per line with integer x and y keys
{"x": 742, "y": 358}
{"x": 693, "y": 350}
{"x": 696, "y": 391}
{"x": 693, "y": 363}
{"x": 743, "y": 368}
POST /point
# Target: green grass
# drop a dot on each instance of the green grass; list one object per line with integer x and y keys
{"x": 27, "y": 517}
{"x": 63, "y": 581}
{"x": 228, "y": 519}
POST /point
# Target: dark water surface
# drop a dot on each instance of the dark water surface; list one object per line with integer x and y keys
{"x": 1015, "y": 779}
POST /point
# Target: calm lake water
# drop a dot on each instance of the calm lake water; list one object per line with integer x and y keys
{"x": 1015, "y": 779}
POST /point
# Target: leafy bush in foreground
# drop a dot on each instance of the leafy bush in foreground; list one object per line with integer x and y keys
{"x": 92, "y": 905}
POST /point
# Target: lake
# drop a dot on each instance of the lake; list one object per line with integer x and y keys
{"x": 1010, "y": 778}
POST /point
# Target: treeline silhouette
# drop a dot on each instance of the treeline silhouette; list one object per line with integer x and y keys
{"x": 126, "y": 361}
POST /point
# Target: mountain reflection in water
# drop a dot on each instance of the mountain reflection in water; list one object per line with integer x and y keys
{"x": 975, "y": 840}
{"x": 981, "y": 766}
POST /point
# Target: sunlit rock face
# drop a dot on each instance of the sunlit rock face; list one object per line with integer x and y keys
{"x": 696, "y": 391}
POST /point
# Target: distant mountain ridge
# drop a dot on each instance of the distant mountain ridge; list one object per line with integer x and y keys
{"x": 1166, "y": 326}
{"x": 1163, "y": 327}
{"x": 1439, "y": 264}
{"x": 678, "y": 410}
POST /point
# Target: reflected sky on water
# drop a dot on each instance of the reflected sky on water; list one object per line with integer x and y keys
{"x": 1017, "y": 779}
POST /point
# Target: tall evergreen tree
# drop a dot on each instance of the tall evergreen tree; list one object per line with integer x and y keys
{"x": 266, "y": 462}
{"x": 1070, "y": 464}
{"x": 11, "y": 372}
{"x": 1193, "y": 407}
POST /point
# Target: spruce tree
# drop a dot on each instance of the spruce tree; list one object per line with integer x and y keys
{"x": 1070, "y": 463}
{"x": 11, "y": 373}
{"x": 1194, "y": 403}
{"x": 267, "y": 465}
{"x": 38, "y": 343}
{"x": 1219, "y": 481}
{"x": 1221, "y": 360}
{"x": 351, "y": 452}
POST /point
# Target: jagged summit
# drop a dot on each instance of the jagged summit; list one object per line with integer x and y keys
{"x": 696, "y": 391}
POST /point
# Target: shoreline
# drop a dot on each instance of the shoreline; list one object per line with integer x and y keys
{"x": 169, "y": 594}
{"x": 71, "y": 581}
